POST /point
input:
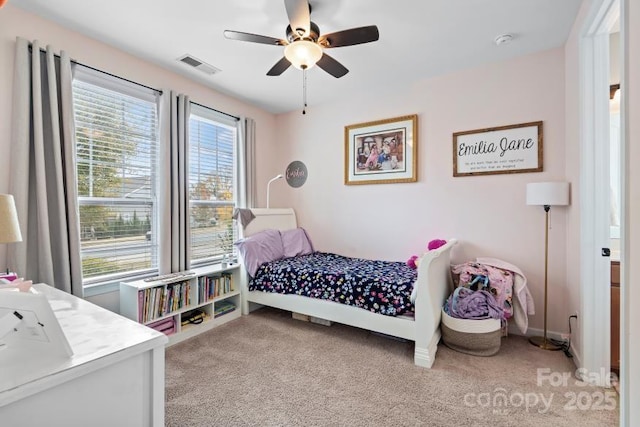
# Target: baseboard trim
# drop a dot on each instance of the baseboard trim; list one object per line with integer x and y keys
{"x": 577, "y": 357}
{"x": 532, "y": 332}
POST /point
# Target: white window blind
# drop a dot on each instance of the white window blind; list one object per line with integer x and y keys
{"x": 212, "y": 184}
{"x": 117, "y": 140}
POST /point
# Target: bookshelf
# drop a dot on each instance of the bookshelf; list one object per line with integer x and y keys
{"x": 209, "y": 296}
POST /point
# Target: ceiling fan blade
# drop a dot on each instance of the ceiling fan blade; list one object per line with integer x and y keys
{"x": 254, "y": 38}
{"x": 299, "y": 17}
{"x": 350, "y": 37}
{"x": 332, "y": 66}
{"x": 280, "y": 67}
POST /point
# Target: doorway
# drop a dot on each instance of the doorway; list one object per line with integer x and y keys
{"x": 596, "y": 193}
{"x": 615, "y": 162}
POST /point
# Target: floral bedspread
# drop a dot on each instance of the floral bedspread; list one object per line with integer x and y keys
{"x": 379, "y": 286}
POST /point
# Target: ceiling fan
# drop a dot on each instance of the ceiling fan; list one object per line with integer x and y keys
{"x": 304, "y": 45}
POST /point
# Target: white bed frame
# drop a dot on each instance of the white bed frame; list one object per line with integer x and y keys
{"x": 433, "y": 285}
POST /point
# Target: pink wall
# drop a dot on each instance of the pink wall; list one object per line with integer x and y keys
{"x": 487, "y": 214}
{"x": 16, "y": 22}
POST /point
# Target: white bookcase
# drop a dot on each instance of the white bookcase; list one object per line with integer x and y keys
{"x": 170, "y": 301}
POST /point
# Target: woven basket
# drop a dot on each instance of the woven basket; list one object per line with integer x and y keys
{"x": 475, "y": 337}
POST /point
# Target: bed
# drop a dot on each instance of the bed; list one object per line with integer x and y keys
{"x": 432, "y": 286}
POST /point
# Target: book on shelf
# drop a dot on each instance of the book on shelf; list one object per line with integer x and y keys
{"x": 140, "y": 306}
{"x": 166, "y": 326}
{"x": 223, "y": 307}
{"x": 213, "y": 286}
{"x": 159, "y": 301}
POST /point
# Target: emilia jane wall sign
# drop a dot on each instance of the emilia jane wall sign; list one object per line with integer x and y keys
{"x": 296, "y": 174}
{"x": 384, "y": 151}
{"x": 504, "y": 149}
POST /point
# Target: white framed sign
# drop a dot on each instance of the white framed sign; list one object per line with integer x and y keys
{"x": 34, "y": 326}
{"x": 498, "y": 150}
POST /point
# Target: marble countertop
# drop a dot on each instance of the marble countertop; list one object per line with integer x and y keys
{"x": 96, "y": 336}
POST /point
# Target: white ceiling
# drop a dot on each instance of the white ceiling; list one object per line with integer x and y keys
{"x": 418, "y": 39}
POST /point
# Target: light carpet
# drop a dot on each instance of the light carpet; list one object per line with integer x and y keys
{"x": 267, "y": 369}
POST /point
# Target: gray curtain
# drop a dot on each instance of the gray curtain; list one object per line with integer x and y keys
{"x": 173, "y": 196}
{"x": 246, "y": 162}
{"x": 43, "y": 172}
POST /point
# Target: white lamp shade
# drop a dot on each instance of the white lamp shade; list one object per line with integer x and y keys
{"x": 548, "y": 193}
{"x": 303, "y": 53}
{"x": 9, "y": 226}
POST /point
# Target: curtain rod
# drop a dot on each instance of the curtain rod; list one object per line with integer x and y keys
{"x": 217, "y": 111}
{"x": 117, "y": 77}
{"x": 131, "y": 81}
{"x": 73, "y": 61}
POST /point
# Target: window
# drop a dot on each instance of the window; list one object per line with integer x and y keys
{"x": 212, "y": 183}
{"x": 117, "y": 139}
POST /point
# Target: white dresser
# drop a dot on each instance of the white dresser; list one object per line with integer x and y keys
{"x": 114, "y": 378}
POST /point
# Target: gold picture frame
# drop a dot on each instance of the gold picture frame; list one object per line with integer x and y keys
{"x": 382, "y": 151}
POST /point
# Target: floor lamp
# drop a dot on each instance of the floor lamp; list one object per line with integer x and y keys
{"x": 275, "y": 178}
{"x": 546, "y": 194}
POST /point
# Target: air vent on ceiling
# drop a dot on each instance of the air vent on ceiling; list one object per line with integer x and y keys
{"x": 199, "y": 65}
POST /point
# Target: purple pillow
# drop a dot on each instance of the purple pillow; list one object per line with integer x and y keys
{"x": 296, "y": 242}
{"x": 262, "y": 247}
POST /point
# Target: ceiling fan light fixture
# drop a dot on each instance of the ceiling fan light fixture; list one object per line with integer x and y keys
{"x": 303, "y": 54}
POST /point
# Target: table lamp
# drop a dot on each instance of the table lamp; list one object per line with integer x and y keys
{"x": 547, "y": 194}
{"x": 9, "y": 226}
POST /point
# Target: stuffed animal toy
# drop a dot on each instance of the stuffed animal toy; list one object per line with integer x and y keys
{"x": 411, "y": 262}
{"x": 414, "y": 260}
{"x": 435, "y": 244}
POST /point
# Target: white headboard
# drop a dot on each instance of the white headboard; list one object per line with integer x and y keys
{"x": 278, "y": 219}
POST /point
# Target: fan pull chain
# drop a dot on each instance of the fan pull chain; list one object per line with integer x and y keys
{"x": 304, "y": 90}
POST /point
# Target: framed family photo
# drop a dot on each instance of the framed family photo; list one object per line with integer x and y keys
{"x": 381, "y": 152}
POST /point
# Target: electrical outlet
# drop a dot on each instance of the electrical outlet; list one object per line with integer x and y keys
{"x": 565, "y": 337}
